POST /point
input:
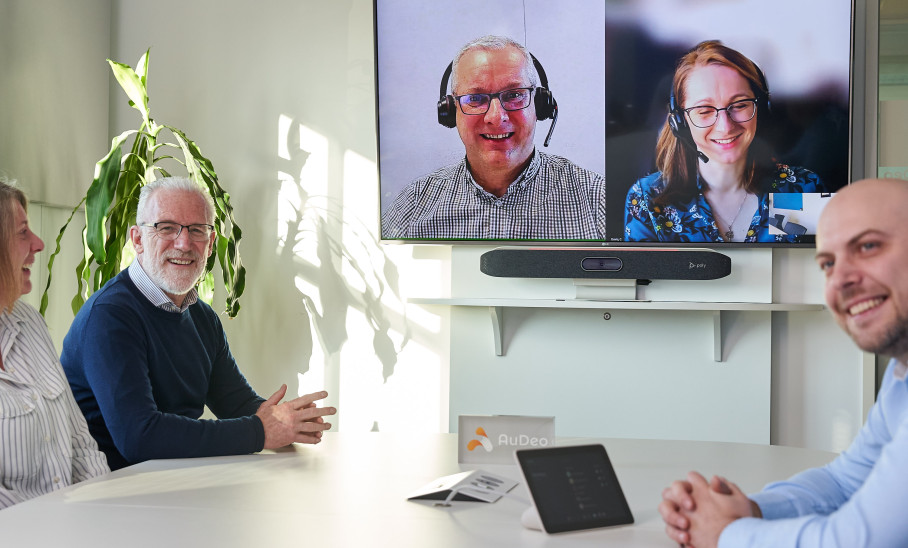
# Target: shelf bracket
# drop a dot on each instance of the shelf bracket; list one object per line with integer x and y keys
{"x": 497, "y": 313}
{"x": 717, "y": 335}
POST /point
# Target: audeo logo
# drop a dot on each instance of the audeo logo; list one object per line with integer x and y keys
{"x": 522, "y": 440}
{"x": 483, "y": 440}
{"x": 504, "y": 440}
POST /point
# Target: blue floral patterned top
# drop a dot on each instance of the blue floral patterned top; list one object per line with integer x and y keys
{"x": 693, "y": 221}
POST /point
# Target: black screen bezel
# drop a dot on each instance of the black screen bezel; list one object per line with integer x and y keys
{"x": 612, "y": 241}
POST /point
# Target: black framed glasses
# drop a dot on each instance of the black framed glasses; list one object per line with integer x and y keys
{"x": 167, "y": 230}
{"x": 510, "y": 99}
{"x": 706, "y": 115}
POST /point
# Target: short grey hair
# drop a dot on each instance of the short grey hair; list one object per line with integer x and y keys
{"x": 492, "y": 42}
{"x": 173, "y": 183}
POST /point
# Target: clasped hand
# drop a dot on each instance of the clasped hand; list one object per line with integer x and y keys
{"x": 696, "y": 511}
{"x": 293, "y": 421}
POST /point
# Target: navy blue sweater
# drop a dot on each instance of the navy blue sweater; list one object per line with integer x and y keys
{"x": 142, "y": 375}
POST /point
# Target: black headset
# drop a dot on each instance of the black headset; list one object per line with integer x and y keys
{"x": 546, "y": 106}
{"x": 677, "y": 122}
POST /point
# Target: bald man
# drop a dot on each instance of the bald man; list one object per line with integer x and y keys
{"x": 860, "y": 498}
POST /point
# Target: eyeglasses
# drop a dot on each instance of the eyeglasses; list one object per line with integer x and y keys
{"x": 171, "y": 231}
{"x": 510, "y": 99}
{"x": 706, "y": 115}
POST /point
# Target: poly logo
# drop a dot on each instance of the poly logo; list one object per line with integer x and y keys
{"x": 483, "y": 440}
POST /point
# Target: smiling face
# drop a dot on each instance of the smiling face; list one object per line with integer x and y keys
{"x": 174, "y": 266}
{"x": 726, "y": 141}
{"x": 864, "y": 258}
{"x": 499, "y": 140}
{"x": 24, "y": 247}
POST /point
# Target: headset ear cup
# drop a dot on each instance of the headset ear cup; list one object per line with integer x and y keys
{"x": 678, "y": 124}
{"x": 545, "y": 104}
{"x": 447, "y": 112}
{"x": 676, "y": 121}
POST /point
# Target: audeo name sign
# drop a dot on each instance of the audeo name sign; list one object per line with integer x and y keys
{"x": 492, "y": 439}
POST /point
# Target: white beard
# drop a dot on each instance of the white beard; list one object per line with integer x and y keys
{"x": 170, "y": 283}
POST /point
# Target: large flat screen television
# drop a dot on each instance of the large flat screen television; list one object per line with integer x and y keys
{"x": 611, "y": 122}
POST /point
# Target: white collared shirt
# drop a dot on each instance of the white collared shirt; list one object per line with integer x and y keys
{"x": 44, "y": 440}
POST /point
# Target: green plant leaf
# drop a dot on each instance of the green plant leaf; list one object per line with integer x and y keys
{"x": 206, "y": 288}
{"x": 100, "y": 194}
{"x": 191, "y": 166}
{"x": 239, "y": 286}
{"x": 133, "y": 85}
{"x": 142, "y": 71}
{"x": 83, "y": 271}
{"x": 53, "y": 256}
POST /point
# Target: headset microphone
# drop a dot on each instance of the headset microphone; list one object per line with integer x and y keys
{"x": 689, "y": 143}
{"x": 548, "y": 136}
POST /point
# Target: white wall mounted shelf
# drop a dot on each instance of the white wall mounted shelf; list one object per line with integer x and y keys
{"x": 497, "y": 307}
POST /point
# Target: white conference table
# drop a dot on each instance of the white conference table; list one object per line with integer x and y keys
{"x": 351, "y": 490}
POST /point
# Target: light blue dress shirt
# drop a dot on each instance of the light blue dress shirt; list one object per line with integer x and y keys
{"x": 859, "y": 499}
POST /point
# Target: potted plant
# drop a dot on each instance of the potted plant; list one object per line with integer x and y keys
{"x": 111, "y": 200}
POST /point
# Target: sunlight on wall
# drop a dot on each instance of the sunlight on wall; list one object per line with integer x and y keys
{"x": 379, "y": 359}
{"x": 362, "y": 396}
{"x": 409, "y": 401}
{"x": 419, "y": 372}
{"x": 298, "y": 210}
{"x": 284, "y": 125}
{"x": 297, "y": 222}
{"x": 359, "y": 221}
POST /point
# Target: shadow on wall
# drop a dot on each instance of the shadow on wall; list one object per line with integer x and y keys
{"x": 330, "y": 271}
{"x": 336, "y": 289}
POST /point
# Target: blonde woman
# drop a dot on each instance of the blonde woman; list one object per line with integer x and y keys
{"x": 44, "y": 440}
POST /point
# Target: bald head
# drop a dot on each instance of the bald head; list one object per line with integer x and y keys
{"x": 866, "y": 202}
{"x": 862, "y": 252}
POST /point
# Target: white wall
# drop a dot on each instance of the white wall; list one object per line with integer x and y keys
{"x": 53, "y": 122}
{"x": 53, "y": 95}
{"x": 280, "y": 95}
{"x": 786, "y": 378}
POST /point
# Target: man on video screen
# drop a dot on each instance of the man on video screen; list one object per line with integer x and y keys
{"x": 503, "y": 188}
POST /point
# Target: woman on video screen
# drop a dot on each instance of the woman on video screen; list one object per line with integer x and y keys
{"x": 715, "y": 172}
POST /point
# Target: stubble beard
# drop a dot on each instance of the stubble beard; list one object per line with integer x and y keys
{"x": 892, "y": 342}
